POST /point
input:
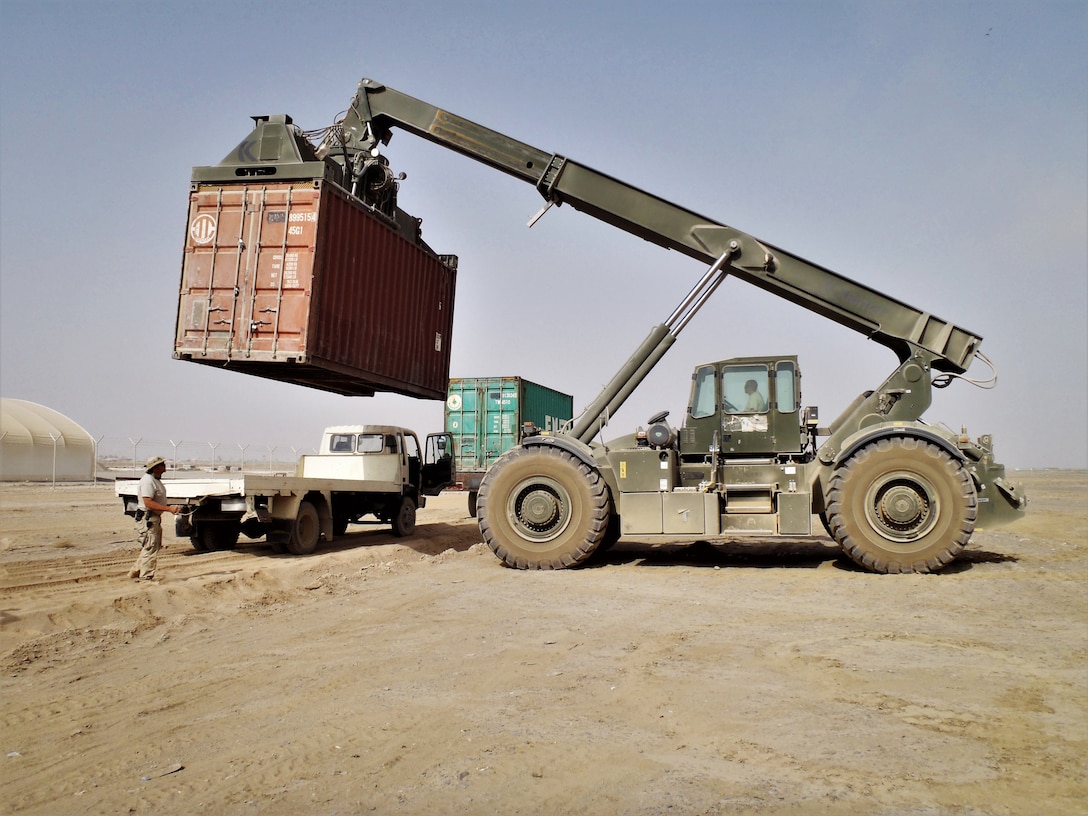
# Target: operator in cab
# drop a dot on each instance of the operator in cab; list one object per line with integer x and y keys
{"x": 756, "y": 404}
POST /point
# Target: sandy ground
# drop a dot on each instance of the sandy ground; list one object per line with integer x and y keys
{"x": 418, "y": 676}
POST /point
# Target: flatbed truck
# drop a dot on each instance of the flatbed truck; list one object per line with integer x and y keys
{"x": 361, "y": 470}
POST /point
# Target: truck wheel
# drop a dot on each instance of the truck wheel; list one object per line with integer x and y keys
{"x": 902, "y": 505}
{"x": 404, "y": 520}
{"x": 473, "y": 496}
{"x": 541, "y": 508}
{"x": 216, "y": 535}
{"x": 305, "y": 531}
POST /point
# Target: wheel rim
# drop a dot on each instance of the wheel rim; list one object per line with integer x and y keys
{"x": 307, "y": 529}
{"x": 902, "y": 506}
{"x": 539, "y": 508}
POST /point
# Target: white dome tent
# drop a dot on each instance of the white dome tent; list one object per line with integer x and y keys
{"x": 38, "y": 444}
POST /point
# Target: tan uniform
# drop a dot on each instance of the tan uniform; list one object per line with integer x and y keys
{"x": 149, "y": 529}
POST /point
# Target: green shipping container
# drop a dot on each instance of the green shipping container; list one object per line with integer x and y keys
{"x": 486, "y": 416}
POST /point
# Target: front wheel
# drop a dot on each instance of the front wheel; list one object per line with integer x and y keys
{"x": 404, "y": 519}
{"x": 542, "y": 508}
{"x": 902, "y": 505}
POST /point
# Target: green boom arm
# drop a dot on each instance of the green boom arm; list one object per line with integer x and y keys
{"x": 376, "y": 109}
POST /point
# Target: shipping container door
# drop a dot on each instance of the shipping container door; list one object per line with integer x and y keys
{"x": 247, "y": 271}
{"x": 282, "y": 223}
{"x": 501, "y": 399}
{"x": 464, "y": 420}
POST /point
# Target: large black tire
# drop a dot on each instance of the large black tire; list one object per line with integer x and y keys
{"x": 216, "y": 535}
{"x": 902, "y": 504}
{"x": 473, "y": 503}
{"x": 612, "y": 534}
{"x": 542, "y": 508}
{"x": 404, "y": 519}
{"x": 306, "y": 530}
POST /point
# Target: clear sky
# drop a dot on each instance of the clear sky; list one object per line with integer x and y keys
{"x": 935, "y": 151}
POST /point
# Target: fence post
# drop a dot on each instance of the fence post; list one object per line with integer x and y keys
{"x": 54, "y": 437}
{"x": 96, "y": 441}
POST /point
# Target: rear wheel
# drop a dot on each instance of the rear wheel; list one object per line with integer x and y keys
{"x": 473, "y": 497}
{"x": 542, "y": 508}
{"x": 306, "y": 530}
{"x": 216, "y": 535}
{"x": 902, "y": 505}
{"x": 404, "y": 519}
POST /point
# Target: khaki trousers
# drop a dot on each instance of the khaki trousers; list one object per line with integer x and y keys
{"x": 149, "y": 534}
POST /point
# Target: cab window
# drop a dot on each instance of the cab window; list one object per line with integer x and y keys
{"x": 745, "y": 389}
{"x": 703, "y": 397}
{"x": 371, "y": 443}
{"x": 342, "y": 443}
{"x": 436, "y": 448}
{"x": 785, "y": 387}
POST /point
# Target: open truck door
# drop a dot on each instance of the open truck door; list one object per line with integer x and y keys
{"x": 438, "y": 469}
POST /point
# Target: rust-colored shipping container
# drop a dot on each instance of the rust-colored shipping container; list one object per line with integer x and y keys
{"x": 299, "y": 282}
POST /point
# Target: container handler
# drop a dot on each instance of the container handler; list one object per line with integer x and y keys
{"x": 896, "y": 493}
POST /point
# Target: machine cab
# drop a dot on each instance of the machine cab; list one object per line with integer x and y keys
{"x": 751, "y": 403}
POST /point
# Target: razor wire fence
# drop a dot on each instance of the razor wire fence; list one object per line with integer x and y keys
{"x": 129, "y": 454}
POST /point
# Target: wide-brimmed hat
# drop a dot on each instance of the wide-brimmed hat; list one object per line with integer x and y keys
{"x": 153, "y": 463}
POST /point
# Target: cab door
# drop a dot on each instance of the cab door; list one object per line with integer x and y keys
{"x": 438, "y": 470}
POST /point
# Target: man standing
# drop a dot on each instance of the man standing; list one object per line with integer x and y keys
{"x": 152, "y": 498}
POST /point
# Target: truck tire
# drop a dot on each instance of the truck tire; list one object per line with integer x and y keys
{"x": 902, "y": 504}
{"x": 404, "y": 519}
{"x": 306, "y": 530}
{"x": 473, "y": 503}
{"x": 541, "y": 508}
{"x": 216, "y": 535}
